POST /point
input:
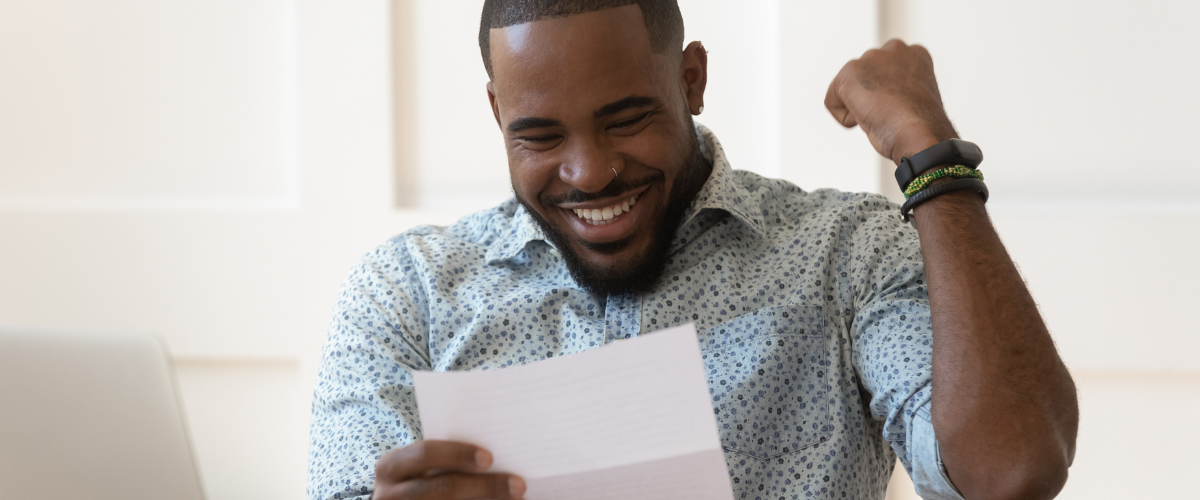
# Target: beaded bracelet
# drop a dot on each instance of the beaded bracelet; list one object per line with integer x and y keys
{"x": 954, "y": 171}
{"x": 940, "y": 189}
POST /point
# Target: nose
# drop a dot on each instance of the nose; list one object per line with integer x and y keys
{"x": 590, "y": 166}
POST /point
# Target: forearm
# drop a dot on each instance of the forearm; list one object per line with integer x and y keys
{"x": 1004, "y": 406}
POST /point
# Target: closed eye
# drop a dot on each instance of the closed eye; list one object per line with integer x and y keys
{"x": 539, "y": 138}
{"x": 632, "y": 121}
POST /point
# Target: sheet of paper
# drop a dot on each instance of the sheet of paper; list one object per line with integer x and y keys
{"x": 631, "y": 420}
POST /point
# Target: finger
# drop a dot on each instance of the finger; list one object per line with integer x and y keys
{"x": 920, "y": 49}
{"x": 455, "y": 486}
{"x": 925, "y": 60}
{"x": 894, "y": 43}
{"x": 834, "y": 102}
{"x": 421, "y": 457}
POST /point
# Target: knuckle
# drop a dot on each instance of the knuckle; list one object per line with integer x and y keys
{"x": 921, "y": 52}
{"x": 849, "y": 70}
{"x": 441, "y": 485}
{"x": 408, "y": 490}
{"x": 417, "y": 452}
{"x": 499, "y": 486}
{"x": 383, "y": 492}
{"x": 386, "y": 465}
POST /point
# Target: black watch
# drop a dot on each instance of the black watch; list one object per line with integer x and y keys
{"x": 951, "y": 152}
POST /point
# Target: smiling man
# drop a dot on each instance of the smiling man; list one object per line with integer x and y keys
{"x": 601, "y": 146}
{"x": 836, "y": 337}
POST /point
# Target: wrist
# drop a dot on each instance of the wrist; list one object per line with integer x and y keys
{"x": 963, "y": 207}
{"x": 917, "y": 141}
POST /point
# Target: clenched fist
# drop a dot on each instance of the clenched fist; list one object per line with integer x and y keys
{"x": 892, "y": 94}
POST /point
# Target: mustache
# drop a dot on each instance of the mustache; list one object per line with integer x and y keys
{"x": 614, "y": 188}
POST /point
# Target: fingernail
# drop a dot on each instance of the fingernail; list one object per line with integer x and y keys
{"x": 516, "y": 486}
{"x": 483, "y": 459}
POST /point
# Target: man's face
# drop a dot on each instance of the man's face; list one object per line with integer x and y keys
{"x": 601, "y": 146}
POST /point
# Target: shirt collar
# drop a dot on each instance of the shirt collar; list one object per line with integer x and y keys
{"x": 521, "y": 230}
{"x": 721, "y": 191}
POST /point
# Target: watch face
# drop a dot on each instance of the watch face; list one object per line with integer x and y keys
{"x": 966, "y": 150}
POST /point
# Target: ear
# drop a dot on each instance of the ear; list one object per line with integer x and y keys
{"x": 694, "y": 75}
{"x": 491, "y": 90}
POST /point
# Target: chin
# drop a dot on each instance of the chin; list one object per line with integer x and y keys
{"x": 631, "y": 270}
{"x": 614, "y": 251}
{"x": 630, "y": 265}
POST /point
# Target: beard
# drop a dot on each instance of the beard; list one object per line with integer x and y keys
{"x": 641, "y": 273}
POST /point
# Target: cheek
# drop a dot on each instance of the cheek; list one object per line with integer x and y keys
{"x": 531, "y": 174}
{"x": 657, "y": 151}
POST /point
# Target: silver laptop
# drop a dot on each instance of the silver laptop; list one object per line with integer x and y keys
{"x": 91, "y": 416}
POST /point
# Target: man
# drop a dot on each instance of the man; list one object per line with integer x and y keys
{"x": 836, "y": 337}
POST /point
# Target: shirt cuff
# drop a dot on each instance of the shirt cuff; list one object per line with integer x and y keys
{"x": 928, "y": 473}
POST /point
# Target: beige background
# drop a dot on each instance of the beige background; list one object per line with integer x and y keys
{"x": 210, "y": 170}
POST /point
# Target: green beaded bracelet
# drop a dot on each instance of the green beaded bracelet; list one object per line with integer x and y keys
{"x": 953, "y": 171}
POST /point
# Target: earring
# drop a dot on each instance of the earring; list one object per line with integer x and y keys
{"x": 700, "y": 109}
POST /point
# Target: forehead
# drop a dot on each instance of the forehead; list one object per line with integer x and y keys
{"x": 581, "y": 61}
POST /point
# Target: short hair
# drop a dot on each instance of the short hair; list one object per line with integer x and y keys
{"x": 663, "y": 21}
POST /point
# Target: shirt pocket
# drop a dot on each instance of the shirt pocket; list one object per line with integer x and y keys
{"x": 769, "y": 381}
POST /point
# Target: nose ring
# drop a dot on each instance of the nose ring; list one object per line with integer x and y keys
{"x": 614, "y": 169}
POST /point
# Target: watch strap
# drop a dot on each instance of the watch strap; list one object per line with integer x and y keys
{"x": 949, "y": 152}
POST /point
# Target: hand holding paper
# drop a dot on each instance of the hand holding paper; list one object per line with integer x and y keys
{"x": 431, "y": 469}
{"x": 630, "y": 420}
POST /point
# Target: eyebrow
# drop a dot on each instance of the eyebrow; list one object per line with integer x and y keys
{"x": 633, "y": 101}
{"x": 529, "y": 122}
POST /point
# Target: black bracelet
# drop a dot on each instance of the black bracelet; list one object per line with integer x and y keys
{"x": 938, "y": 189}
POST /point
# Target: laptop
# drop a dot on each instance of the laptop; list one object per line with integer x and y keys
{"x": 87, "y": 415}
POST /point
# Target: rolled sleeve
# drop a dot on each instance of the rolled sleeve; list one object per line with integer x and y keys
{"x": 928, "y": 473}
{"x": 891, "y": 333}
{"x": 893, "y": 346}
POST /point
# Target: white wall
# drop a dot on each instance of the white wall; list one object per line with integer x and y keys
{"x": 1081, "y": 99}
{"x": 210, "y": 170}
{"x": 77, "y": 91}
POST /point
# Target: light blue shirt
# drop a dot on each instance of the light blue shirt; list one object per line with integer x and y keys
{"x": 811, "y": 308}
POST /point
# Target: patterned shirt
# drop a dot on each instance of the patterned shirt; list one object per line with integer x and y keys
{"x": 811, "y": 310}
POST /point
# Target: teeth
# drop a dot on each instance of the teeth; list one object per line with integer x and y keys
{"x": 601, "y": 216}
